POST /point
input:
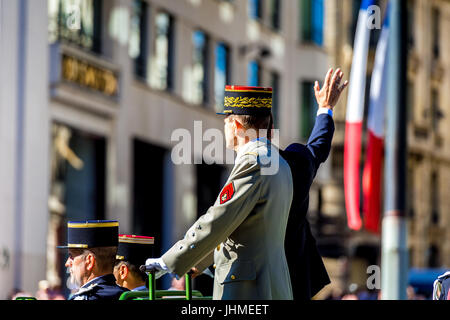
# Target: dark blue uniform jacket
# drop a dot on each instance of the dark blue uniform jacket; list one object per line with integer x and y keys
{"x": 306, "y": 268}
{"x": 101, "y": 288}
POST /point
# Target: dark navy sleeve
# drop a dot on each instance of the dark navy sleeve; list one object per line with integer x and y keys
{"x": 319, "y": 143}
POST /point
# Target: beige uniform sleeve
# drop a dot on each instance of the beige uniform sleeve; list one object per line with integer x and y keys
{"x": 219, "y": 221}
{"x": 205, "y": 262}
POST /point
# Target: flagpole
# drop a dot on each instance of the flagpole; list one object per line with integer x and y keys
{"x": 394, "y": 255}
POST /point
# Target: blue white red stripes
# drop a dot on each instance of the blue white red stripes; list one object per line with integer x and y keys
{"x": 354, "y": 117}
{"x": 372, "y": 173}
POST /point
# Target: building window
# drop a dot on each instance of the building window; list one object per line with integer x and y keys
{"x": 433, "y": 256}
{"x": 374, "y": 33}
{"x": 221, "y": 74}
{"x": 200, "y": 67}
{"x": 410, "y": 190}
{"x": 337, "y": 161}
{"x": 275, "y": 84}
{"x": 253, "y": 73}
{"x": 138, "y": 35}
{"x": 162, "y": 60}
{"x": 410, "y": 99}
{"x": 308, "y": 108}
{"x": 210, "y": 179}
{"x": 311, "y": 21}
{"x": 435, "y": 20}
{"x": 78, "y": 172}
{"x": 411, "y": 20}
{"x": 255, "y": 9}
{"x": 148, "y": 198}
{"x": 355, "y": 15}
{"x": 434, "y": 190}
{"x": 275, "y": 11}
{"x": 75, "y": 21}
{"x": 77, "y": 186}
{"x": 435, "y": 110}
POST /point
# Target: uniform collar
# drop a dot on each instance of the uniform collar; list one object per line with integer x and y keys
{"x": 141, "y": 288}
{"x": 252, "y": 144}
{"x": 101, "y": 279}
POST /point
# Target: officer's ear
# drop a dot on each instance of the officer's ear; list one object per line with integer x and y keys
{"x": 123, "y": 271}
{"x": 238, "y": 124}
{"x": 90, "y": 261}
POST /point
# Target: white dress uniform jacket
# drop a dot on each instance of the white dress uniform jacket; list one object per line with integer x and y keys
{"x": 243, "y": 232}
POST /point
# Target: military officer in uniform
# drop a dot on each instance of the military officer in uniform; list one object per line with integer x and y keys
{"x": 92, "y": 246}
{"x": 132, "y": 253}
{"x": 307, "y": 271}
{"x": 243, "y": 232}
{"x": 441, "y": 287}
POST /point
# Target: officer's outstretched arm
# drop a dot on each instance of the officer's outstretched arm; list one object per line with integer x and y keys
{"x": 235, "y": 202}
{"x": 319, "y": 143}
{"x": 327, "y": 97}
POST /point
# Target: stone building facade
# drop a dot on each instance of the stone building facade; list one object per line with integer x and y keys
{"x": 428, "y": 94}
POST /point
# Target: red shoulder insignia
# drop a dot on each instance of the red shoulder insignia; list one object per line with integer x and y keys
{"x": 227, "y": 193}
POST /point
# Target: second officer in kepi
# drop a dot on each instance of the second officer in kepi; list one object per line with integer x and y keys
{"x": 132, "y": 253}
{"x": 92, "y": 246}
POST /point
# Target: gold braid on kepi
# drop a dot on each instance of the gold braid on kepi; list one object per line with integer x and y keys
{"x": 135, "y": 249}
{"x": 91, "y": 234}
{"x": 246, "y": 100}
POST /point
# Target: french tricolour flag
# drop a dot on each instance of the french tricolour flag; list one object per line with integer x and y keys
{"x": 375, "y": 131}
{"x": 354, "y": 117}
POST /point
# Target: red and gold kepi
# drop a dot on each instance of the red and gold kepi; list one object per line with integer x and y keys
{"x": 245, "y": 100}
{"x": 135, "y": 249}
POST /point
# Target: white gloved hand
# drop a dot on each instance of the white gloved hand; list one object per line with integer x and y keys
{"x": 159, "y": 266}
